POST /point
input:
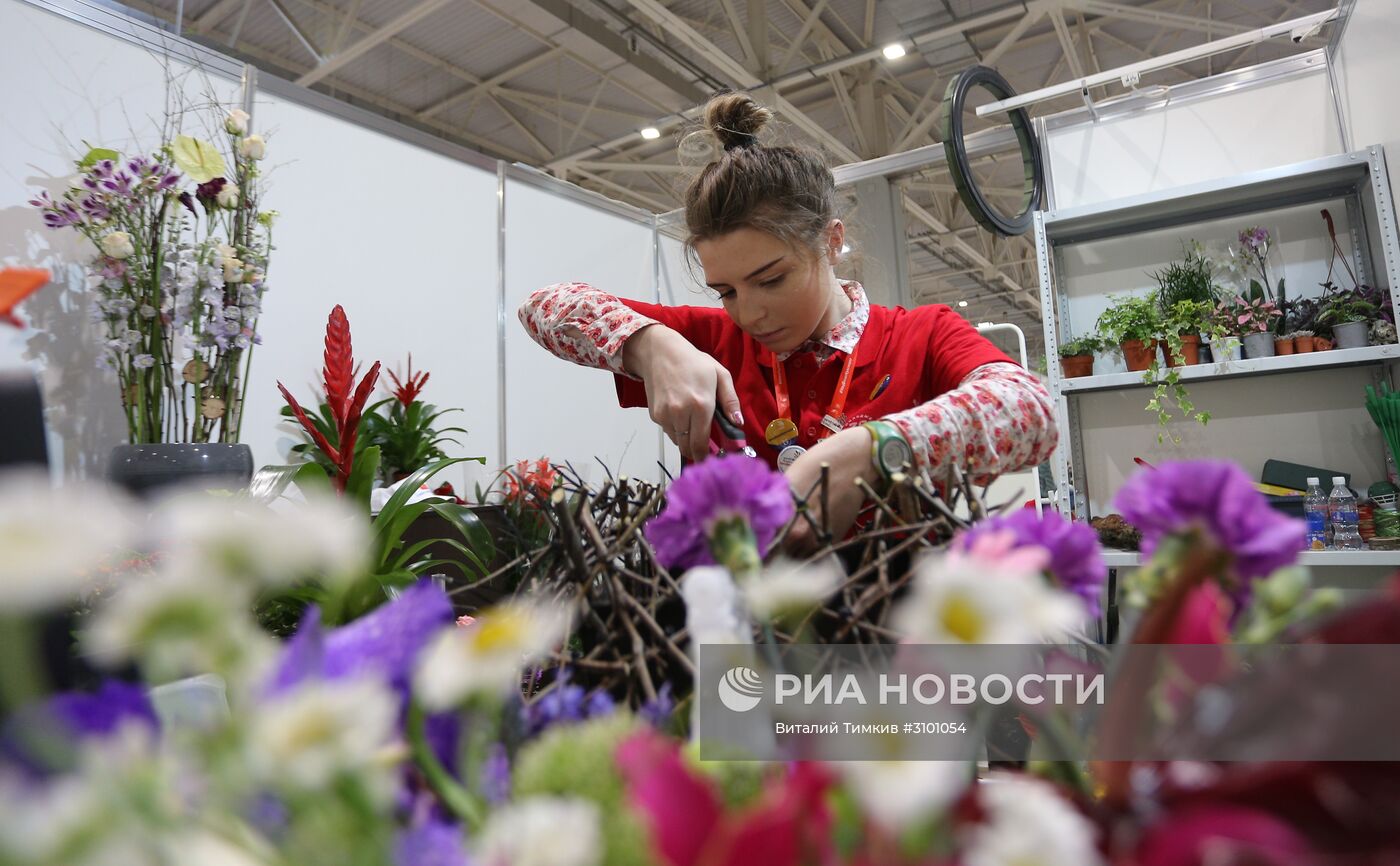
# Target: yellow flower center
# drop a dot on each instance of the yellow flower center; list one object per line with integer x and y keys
{"x": 962, "y": 619}
{"x": 497, "y": 630}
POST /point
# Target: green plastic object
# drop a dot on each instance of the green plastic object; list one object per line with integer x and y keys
{"x": 1382, "y": 488}
{"x": 1295, "y": 475}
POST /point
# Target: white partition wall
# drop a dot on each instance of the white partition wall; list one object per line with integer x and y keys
{"x": 555, "y": 409}
{"x": 1284, "y": 116}
{"x": 403, "y": 238}
{"x": 1367, "y": 73}
{"x": 66, "y": 84}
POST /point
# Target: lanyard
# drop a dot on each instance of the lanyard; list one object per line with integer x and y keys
{"x": 834, "y": 419}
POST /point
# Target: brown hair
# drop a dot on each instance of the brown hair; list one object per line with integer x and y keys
{"x": 785, "y": 191}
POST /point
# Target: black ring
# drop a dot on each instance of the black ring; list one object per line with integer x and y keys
{"x": 956, "y": 150}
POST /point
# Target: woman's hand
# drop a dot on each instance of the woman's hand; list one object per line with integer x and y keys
{"x": 849, "y": 456}
{"x": 683, "y": 387}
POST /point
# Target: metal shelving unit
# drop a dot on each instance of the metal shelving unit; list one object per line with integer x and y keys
{"x": 1329, "y": 558}
{"x": 1359, "y": 178}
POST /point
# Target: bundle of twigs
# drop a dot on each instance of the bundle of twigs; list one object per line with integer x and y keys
{"x": 628, "y": 631}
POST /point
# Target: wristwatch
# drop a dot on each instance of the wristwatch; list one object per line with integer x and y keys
{"x": 889, "y": 450}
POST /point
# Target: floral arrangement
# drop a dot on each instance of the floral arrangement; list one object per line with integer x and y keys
{"x": 179, "y": 276}
{"x": 1256, "y": 243}
{"x": 408, "y": 736}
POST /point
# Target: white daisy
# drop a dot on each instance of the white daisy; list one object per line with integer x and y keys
{"x": 488, "y": 657}
{"x": 1025, "y": 821}
{"x": 309, "y": 736}
{"x": 55, "y": 539}
{"x": 542, "y": 831}
{"x": 788, "y": 589}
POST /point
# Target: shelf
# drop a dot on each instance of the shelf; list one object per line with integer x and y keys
{"x": 1343, "y": 558}
{"x": 1235, "y": 369}
{"x": 1302, "y": 182}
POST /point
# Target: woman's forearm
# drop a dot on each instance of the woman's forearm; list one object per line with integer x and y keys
{"x": 999, "y": 420}
{"x": 580, "y": 323}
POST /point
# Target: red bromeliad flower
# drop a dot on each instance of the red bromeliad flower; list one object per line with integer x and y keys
{"x": 346, "y": 405}
{"x": 530, "y": 481}
{"x": 407, "y": 393}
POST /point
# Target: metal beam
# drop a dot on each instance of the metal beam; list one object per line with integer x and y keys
{"x": 601, "y": 35}
{"x": 806, "y": 29}
{"x": 1156, "y": 17}
{"x": 346, "y": 21}
{"x": 214, "y": 16}
{"x": 490, "y": 84}
{"x": 1033, "y": 14}
{"x": 1057, "y": 18}
{"x": 740, "y": 32}
{"x": 758, "y": 38}
{"x": 377, "y": 37}
{"x": 293, "y": 26}
{"x": 525, "y": 130}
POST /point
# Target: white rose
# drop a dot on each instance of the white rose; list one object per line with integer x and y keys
{"x": 237, "y": 122}
{"x": 252, "y": 147}
{"x": 117, "y": 245}
{"x": 227, "y": 252}
{"x": 228, "y": 196}
{"x": 233, "y": 270}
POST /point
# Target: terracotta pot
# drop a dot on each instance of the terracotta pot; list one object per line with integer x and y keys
{"x": 1322, "y": 344}
{"x": 1074, "y": 366}
{"x": 1190, "y": 351}
{"x": 1138, "y": 355}
{"x": 1283, "y": 347}
{"x": 1302, "y": 344}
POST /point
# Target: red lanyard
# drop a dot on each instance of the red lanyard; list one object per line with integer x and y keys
{"x": 835, "y": 413}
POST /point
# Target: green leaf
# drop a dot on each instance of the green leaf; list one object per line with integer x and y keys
{"x": 96, "y": 155}
{"x": 362, "y": 475}
{"x": 473, "y": 531}
{"x": 198, "y": 159}
{"x": 270, "y": 482}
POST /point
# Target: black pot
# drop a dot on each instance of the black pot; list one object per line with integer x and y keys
{"x": 142, "y": 469}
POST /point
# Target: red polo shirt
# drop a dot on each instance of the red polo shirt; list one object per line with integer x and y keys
{"x": 926, "y": 351}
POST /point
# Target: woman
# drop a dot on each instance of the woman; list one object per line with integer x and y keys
{"x": 799, "y": 359}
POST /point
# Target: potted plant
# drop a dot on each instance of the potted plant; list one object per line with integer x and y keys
{"x": 405, "y": 434}
{"x": 1349, "y": 313}
{"x": 178, "y": 275}
{"x": 1256, "y": 245}
{"x": 1254, "y": 319}
{"x": 1302, "y": 341}
{"x": 1077, "y": 356}
{"x": 1183, "y": 324}
{"x": 1134, "y": 325}
{"x": 1283, "y": 344}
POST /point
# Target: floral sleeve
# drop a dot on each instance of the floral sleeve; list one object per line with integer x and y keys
{"x": 1000, "y": 419}
{"x": 579, "y": 323}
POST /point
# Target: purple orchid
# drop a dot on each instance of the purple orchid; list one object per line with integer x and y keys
{"x": 433, "y": 843}
{"x": 39, "y": 738}
{"x": 94, "y": 209}
{"x": 706, "y": 502}
{"x": 386, "y": 642}
{"x": 118, "y": 184}
{"x": 1216, "y": 499}
{"x": 1076, "y": 562}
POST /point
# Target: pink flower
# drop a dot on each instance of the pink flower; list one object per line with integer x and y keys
{"x": 464, "y": 620}
{"x": 1208, "y": 834}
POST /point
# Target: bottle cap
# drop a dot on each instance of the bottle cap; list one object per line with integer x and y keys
{"x": 1314, "y": 481}
{"x": 1339, "y": 479}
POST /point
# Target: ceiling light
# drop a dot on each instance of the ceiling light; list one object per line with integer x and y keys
{"x": 650, "y": 133}
{"x": 962, "y": 303}
{"x": 894, "y": 51}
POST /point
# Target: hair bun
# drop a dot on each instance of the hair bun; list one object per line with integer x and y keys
{"x": 735, "y": 119}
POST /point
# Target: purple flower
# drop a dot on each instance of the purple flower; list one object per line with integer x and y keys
{"x": 103, "y": 169}
{"x": 95, "y": 209}
{"x": 42, "y": 200}
{"x": 1216, "y": 498}
{"x": 118, "y": 184}
{"x": 208, "y": 191}
{"x": 62, "y": 215}
{"x": 1255, "y": 239}
{"x": 435, "y": 843}
{"x": 710, "y": 495}
{"x": 39, "y": 738}
{"x": 385, "y": 642}
{"x": 495, "y": 774}
{"x": 565, "y": 703}
{"x": 657, "y": 712}
{"x": 1076, "y": 562}
{"x": 188, "y": 201}
{"x": 167, "y": 181}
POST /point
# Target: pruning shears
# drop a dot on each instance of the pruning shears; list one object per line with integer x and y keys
{"x": 731, "y": 437}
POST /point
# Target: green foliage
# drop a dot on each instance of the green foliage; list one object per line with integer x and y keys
{"x": 1347, "y": 306}
{"x": 1131, "y": 318}
{"x": 1187, "y": 280}
{"x": 1087, "y": 345}
{"x": 1187, "y": 317}
{"x": 577, "y": 761}
{"x": 406, "y": 437}
{"x": 325, "y": 423}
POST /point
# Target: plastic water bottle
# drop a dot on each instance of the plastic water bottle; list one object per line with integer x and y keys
{"x": 1346, "y": 534}
{"x": 1315, "y": 512}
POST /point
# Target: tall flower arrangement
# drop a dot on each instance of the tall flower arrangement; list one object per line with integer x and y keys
{"x": 179, "y": 273}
